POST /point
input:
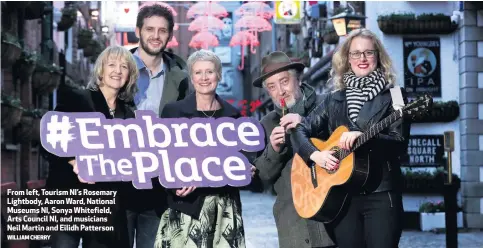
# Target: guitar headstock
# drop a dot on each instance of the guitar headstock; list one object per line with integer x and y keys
{"x": 418, "y": 107}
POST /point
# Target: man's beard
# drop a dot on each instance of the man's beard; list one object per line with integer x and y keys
{"x": 289, "y": 104}
{"x": 149, "y": 51}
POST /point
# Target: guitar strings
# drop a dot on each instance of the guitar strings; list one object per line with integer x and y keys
{"x": 340, "y": 154}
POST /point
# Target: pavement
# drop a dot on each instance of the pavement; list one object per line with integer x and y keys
{"x": 261, "y": 232}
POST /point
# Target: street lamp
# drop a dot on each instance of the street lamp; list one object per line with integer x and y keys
{"x": 347, "y": 21}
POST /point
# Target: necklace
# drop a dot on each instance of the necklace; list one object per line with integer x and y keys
{"x": 111, "y": 111}
{"x": 214, "y": 111}
{"x": 208, "y": 115}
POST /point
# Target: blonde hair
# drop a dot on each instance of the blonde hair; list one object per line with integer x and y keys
{"x": 128, "y": 91}
{"x": 340, "y": 59}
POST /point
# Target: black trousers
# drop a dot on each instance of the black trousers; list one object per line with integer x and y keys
{"x": 92, "y": 239}
{"x": 372, "y": 221}
{"x": 72, "y": 240}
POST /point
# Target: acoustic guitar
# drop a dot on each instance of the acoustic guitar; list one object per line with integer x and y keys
{"x": 320, "y": 194}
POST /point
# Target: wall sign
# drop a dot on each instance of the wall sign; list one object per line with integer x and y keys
{"x": 422, "y": 66}
{"x": 126, "y": 150}
{"x": 126, "y": 13}
{"x": 287, "y": 12}
{"x": 424, "y": 151}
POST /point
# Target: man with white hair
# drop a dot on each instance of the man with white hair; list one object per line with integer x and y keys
{"x": 292, "y": 99}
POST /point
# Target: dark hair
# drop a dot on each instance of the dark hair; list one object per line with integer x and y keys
{"x": 155, "y": 10}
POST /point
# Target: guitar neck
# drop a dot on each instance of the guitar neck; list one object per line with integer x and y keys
{"x": 376, "y": 129}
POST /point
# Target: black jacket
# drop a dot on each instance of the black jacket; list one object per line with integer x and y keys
{"x": 192, "y": 203}
{"x": 75, "y": 100}
{"x": 293, "y": 231}
{"x": 61, "y": 175}
{"x": 383, "y": 150}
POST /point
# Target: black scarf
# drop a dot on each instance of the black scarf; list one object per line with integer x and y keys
{"x": 362, "y": 89}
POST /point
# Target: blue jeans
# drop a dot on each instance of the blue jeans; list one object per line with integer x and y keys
{"x": 145, "y": 224}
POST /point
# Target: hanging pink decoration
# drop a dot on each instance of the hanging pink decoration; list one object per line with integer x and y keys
{"x": 242, "y": 39}
{"x": 259, "y": 9}
{"x": 203, "y": 40}
{"x": 204, "y": 23}
{"x": 253, "y": 23}
{"x": 172, "y": 43}
{"x": 206, "y": 8}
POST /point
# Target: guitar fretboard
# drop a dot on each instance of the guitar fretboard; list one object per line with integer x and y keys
{"x": 369, "y": 134}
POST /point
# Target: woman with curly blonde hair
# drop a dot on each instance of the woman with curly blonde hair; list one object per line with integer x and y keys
{"x": 363, "y": 76}
{"x": 341, "y": 64}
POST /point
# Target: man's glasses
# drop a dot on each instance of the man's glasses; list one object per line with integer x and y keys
{"x": 367, "y": 54}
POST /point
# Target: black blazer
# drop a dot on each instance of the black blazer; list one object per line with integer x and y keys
{"x": 62, "y": 176}
{"x": 192, "y": 203}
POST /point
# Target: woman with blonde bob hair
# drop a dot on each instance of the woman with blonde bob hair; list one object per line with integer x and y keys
{"x": 362, "y": 75}
{"x": 112, "y": 86}
{"x": 202, "y": 217}
{"x": 124, "y": 90}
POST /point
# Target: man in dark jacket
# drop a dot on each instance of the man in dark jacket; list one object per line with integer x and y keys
{"x": 162, "y": 79}
{"x": 292, "y": 99}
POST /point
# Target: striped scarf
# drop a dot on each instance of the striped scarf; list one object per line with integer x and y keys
{"x": 362, "y": 89}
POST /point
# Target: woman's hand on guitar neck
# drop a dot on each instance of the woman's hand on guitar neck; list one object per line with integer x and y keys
{"x": 325, "y": 159}
{"x": 347, "y": 139}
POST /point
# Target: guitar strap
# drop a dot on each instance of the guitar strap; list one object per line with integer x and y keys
{"x": 397, "y": 99}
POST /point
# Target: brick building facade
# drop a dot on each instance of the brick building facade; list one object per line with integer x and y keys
{"x": 39, "y": 55}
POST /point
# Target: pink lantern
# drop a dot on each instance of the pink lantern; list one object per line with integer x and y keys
{"x": 172, "y": 43}
{"x": 253, "y": 23}
{"x": 244, "y": 38}
{"x": 204, "y": 23}
{"x": 260, "y": 9}
{"x": 206, "y": 8}
{"x": 204, "y": 40}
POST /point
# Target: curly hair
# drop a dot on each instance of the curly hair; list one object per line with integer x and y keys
{"x": 129, "y": 89}
{"x": 340, "y": 59}
{"x": 155, "y": 10}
